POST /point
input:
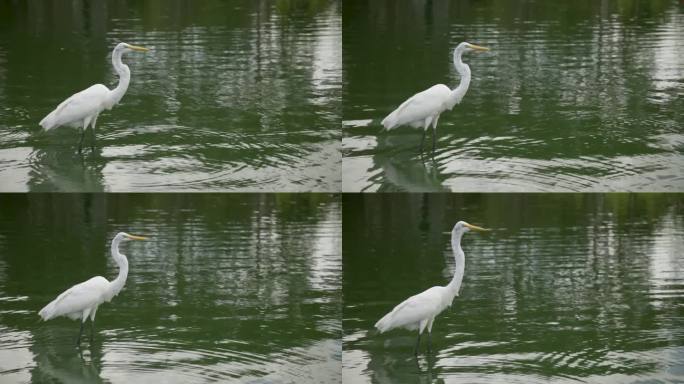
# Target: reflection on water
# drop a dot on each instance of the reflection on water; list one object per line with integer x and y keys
{"x": 54, "y": 168}
{"x": 565, "y": 288}
{"x": 58, "y": 360}
{"x": 396, "y": 165}
{"x": 578, "y": 97}
{"x": 233, "y": 96}
{"x": 228, "y": 287}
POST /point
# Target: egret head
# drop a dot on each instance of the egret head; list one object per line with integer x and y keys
{"x": 463, "y": 227}
{"x": 123, "y": 236}
{"x": 467, "y": 47}
{"x": 125, "y": 47}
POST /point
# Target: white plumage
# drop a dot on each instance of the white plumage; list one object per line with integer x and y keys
{"x": 423, "y": 109}
{"x": 82, "y": 300}
{"x": 82, "y": 109}
{"x": 418, "y": 312}
{"x": 415, "y": 312}
{"x": 79, "y": 301}
{"x": 79, "y": 110}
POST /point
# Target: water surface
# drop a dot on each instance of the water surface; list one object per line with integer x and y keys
{"x": 566, "y": 288}
{"x": 229, "y": 288}
{"x": 238, "y": 95}
{"x": 577, "y": 96}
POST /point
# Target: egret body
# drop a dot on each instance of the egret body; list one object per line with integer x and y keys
{"x": 418, "y": 312}
{"x": 81, "y": 301}
{"x": 422, "y": 110}
{"x": 83, "y": 108}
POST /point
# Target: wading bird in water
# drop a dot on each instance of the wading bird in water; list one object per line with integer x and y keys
{"x": 423, "y": 109}
{"x": 83, "y": 108}
{"x": 81, "y": 300}
{"x": 418, "y": 312}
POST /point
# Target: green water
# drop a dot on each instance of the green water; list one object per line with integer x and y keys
{"x": 565, "y": 288}
{"x": 229, "y": 288}
{"x": 573, "y": 96}
{"x": 235, "y": 95}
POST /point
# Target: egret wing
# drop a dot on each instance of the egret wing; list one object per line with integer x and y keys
{"x": 418, "y": 107}
{"x": 76, "y": 108}
{"x": 411, "y": 311}
{"x": 74, "y": 300}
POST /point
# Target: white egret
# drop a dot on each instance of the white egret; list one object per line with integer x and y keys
{"x": 81, "y": 300}
{"x": 423, "y": 109}
{"x": 83, "y": 108}
{"x": 418, "y": 312}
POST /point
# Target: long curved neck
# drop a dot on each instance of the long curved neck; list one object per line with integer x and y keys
{"x": 463, "y": 70}
{"x": 459, "y": 260}
{"x": 121, "y": 260}
{"x": 124, "y": 77}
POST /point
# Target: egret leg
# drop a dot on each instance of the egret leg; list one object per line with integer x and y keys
{"x": 434, "y": 133}
{"x": 80, "y": 143}
{"x": 92, "y": 139}
{"x": 422, "y": 142}
{"x": 93, "y": 311}
{"x": 434, "y": 139}
{"x": 415, "y": 350}
{"x": 429, "y": 331}
{"x": 92, "y": 133}
{"x": 78, "y": 340}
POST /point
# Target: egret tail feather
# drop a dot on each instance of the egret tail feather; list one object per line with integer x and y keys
{"x": 384, "y": 324}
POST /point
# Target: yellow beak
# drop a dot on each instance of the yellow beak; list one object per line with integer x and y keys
{"x": 477, "y": 47}
{"x": 136, "y": 237}
{"x": 138, "y": 48}
{"x": 476, "y": 228}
